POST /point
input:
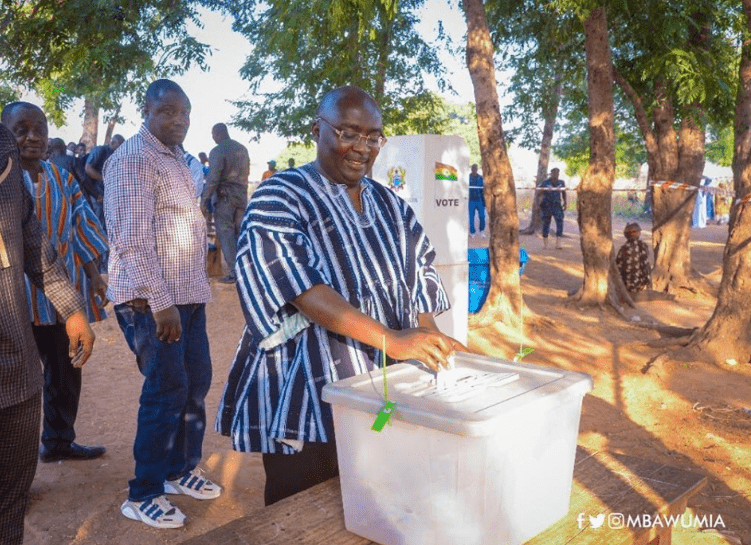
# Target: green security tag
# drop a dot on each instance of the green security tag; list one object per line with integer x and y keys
{"x": 383, "y": 416}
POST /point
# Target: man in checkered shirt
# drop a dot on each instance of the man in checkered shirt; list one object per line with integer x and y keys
{"x": 158, "y": 282}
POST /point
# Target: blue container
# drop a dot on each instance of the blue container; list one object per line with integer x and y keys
{"x": 479, "y": 274}
{"x": 479, "y": 277}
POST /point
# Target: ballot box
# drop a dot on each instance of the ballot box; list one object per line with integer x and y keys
{"x": 481, "y": 454}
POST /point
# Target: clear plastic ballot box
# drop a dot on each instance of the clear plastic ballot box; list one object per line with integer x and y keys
{"x": 482, "y": 454}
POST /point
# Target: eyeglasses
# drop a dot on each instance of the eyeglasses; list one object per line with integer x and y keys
{"x": 350, "y": 138}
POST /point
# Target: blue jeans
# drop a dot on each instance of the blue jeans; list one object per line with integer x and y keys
{"x": 480, "y": 208}
{"x": 172, "y": 412}
{"x": 555, "y": 213}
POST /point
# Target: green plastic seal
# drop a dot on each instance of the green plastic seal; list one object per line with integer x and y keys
{"x": 383, "y": 416}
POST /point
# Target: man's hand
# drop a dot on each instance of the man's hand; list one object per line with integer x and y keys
{"x": 81, "y": 338}
{"x": 168, "y": 327}
{"x": 324, "y": 306}
{"x": 98, "y": 284}
{"x": 423, "y": 344}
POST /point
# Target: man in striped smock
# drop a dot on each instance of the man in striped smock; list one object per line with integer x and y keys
{"x": 330, "y": 267}
{"x": 74, "y": 231}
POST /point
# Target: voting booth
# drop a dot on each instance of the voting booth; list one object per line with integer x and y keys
{"x": 431, "y": 173}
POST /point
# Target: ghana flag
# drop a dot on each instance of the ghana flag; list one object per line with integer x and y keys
{"x": 445, "y": 172}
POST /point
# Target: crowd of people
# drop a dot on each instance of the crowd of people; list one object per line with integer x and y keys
{"x": 331, "y": 269}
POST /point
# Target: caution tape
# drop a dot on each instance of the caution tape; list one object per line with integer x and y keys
{"x": 712, "y": 190}
{"x": 661, "y": 185}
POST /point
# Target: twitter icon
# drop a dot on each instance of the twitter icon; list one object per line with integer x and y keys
{"x": 596, "y": 522}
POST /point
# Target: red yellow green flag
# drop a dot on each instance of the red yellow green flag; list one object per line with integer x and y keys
{"x": 445, "y": 172}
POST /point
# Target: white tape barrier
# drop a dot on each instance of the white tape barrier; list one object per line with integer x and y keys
{"x": 662, "y": 185}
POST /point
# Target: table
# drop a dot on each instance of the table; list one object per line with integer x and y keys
{"x": 605, "y": 483}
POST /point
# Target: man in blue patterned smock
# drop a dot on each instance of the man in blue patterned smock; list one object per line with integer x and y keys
{"x": 159, "y": 285}
{"x": 74, "y": 231}
{"x": 331, "y": 266}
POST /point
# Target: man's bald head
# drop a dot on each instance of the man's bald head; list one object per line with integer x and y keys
{"x": 348, "y": 118}
{"x": 343, "y": 97}
{"x": 219, "y": 132}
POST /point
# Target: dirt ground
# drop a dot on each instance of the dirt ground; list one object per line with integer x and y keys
{"x": 688, "y": 415}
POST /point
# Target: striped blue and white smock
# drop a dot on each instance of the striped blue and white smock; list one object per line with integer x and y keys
{"x": 73, "y": 230}
{"x": 301, "y": 230}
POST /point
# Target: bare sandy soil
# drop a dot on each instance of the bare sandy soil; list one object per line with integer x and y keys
{"x": 688, "y": 415}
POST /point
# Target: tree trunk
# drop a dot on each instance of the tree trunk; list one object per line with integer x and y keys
{"x": 666, "y": 167}
{"x": 673, "y": 255}
{"x": 90, "y": 122}
{"x": 670, "y": 222}
{"x": 650, "y": 139}
{"x": 682, "y": 161}
{"x": 727, "y": 334}
{"x": 503, "y": 302}
{"x": 384, "y": 47}
{"x": 551, "y": 114}
{"x": 595, "y": 189}
{"x": 111, "y": 123}
{"x": 642, "y": 121}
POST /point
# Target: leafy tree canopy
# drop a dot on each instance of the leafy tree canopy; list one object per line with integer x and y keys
{"x": 304, "y": 48}
{"x": 720, "y": 146}
{"x": 692, "y": 46}
{"x": 103, "y": 48}
{"x": 687, "y": 45}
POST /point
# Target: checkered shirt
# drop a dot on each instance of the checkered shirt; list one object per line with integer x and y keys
{"x": 156, "y": 230}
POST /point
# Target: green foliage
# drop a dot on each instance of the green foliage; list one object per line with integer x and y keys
{"x": 304, "y": 48}
{"x": 463, "y": 122}
{"x": 720, "y": 146}
{"x": 104, "y": 49}
{"x": 574, "y": 150}
{"x": 302, "y": 153}
{"x": 691, "y": 46}
{"x": 541, "y": 49}
{"x": 8, "y": 94}
{"x": 630, "y": 152}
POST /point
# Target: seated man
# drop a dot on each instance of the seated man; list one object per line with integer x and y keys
{"x": 633, "y": 261}
{"x": 331, "y": 267}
